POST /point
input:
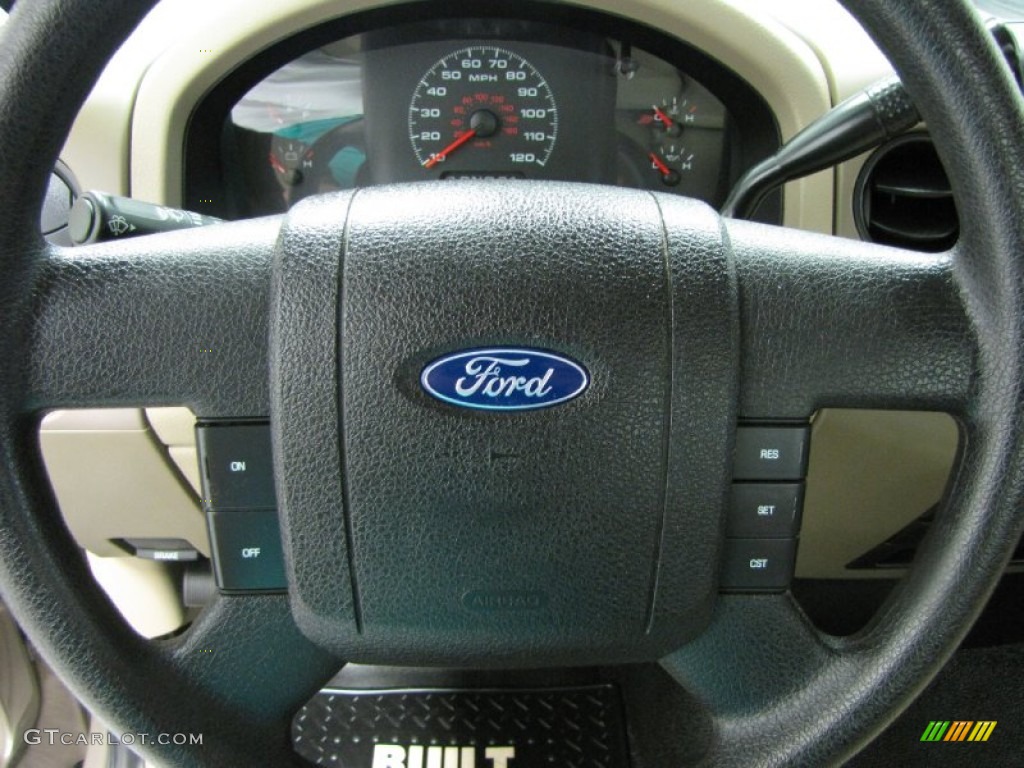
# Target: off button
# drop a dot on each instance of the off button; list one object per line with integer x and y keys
{"x": 770, "y": 453}
{"x": 247, "y": 552}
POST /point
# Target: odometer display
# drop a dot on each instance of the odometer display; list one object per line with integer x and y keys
{"x": 483, "y": 108}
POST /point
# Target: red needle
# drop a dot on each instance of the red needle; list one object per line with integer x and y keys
{"x": 665, "y": 170}
{"x": 664, "y": 118}
{"x": 437, "y": 158}
{"x": 276, "y": 164}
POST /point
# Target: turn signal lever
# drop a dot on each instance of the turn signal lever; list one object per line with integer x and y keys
{"x": 861, "y": 122}
{"x": 96, "y": 216}
{"x": 879, "y": 112}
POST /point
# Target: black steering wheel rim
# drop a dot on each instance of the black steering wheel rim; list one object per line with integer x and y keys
{"x": 53, "y": 50}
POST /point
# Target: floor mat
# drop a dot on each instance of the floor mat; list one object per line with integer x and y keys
{"x": 978, "y": 685}
{"x": 565, "y": 727}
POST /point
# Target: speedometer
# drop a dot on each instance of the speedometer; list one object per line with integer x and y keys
{"x": 483, "y": 110}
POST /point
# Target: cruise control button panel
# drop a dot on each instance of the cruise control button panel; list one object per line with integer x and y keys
{"x": 770, "y": 453}
{"x": 765, "y": 505}
{"x": 236, "y": 462}
{"x": 765, "y": 510}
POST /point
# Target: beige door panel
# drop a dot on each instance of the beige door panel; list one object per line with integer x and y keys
{"x": 19, "y": 690}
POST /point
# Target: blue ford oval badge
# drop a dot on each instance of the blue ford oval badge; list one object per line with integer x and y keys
{"x": 504, "y": 379}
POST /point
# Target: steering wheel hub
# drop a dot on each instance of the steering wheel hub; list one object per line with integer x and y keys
{"x": 588, "y": 531}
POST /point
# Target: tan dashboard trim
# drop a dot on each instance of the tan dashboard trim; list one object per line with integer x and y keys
{"x": 870, "y": 474}
{"x": 113, "y": 479}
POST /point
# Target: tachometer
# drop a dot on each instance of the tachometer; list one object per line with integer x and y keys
{"x": 483, "y": 110}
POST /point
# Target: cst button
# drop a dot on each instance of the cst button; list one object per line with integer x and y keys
{"x": 770, "y": 453}
{"x": 758, "y": 565}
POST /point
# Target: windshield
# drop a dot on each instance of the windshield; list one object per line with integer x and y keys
{"x": 1003, "y": 9}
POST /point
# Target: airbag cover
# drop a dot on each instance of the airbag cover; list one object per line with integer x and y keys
{"x": 580, "y": 531}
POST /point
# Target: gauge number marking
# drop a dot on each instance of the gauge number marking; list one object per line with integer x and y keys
{"x": 492, "y": 93}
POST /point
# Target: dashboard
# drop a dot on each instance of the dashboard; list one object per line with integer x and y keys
{"x": 473, "y": 97}
{"x": 239, "y": 110}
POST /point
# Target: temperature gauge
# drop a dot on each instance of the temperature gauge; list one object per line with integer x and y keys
{"x": 670, "y": 117}
{"x": 672, "y": 134}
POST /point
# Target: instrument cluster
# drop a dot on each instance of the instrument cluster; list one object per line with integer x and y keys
{"x": 467, "y": 98}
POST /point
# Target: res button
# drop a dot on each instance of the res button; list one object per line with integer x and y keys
{"x": 770, "y": 453}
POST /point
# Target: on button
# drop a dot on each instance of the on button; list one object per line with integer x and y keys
{"x": 238, "y": 466}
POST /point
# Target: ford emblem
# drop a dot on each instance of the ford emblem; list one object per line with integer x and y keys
{"x": 504, "y": 379}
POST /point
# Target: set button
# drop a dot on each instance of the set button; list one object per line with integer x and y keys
{"x": 765, "y": 510}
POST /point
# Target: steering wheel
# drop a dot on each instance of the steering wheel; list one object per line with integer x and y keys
{"x": 685, "y": 322}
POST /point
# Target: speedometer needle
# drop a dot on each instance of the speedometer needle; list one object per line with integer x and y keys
{"x": 439, "y": 156}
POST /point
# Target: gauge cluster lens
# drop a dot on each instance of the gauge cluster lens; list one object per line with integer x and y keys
{"x": 463, "y": 98}
{"x": 487, "y": 105}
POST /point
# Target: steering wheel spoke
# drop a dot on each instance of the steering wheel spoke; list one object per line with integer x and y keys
{"x": 763, "y": 668}
{"x": 756, "y": 649}
{"x": 833, "y": 322}
{"x": 176, "y": 318}
{"x": 248, "y": 664}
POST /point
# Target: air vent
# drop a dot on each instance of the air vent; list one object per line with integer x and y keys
{"x": 903, "y": 197}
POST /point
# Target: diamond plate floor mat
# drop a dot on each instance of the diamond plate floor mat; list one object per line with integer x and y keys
{"x": 566, "y": 728}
